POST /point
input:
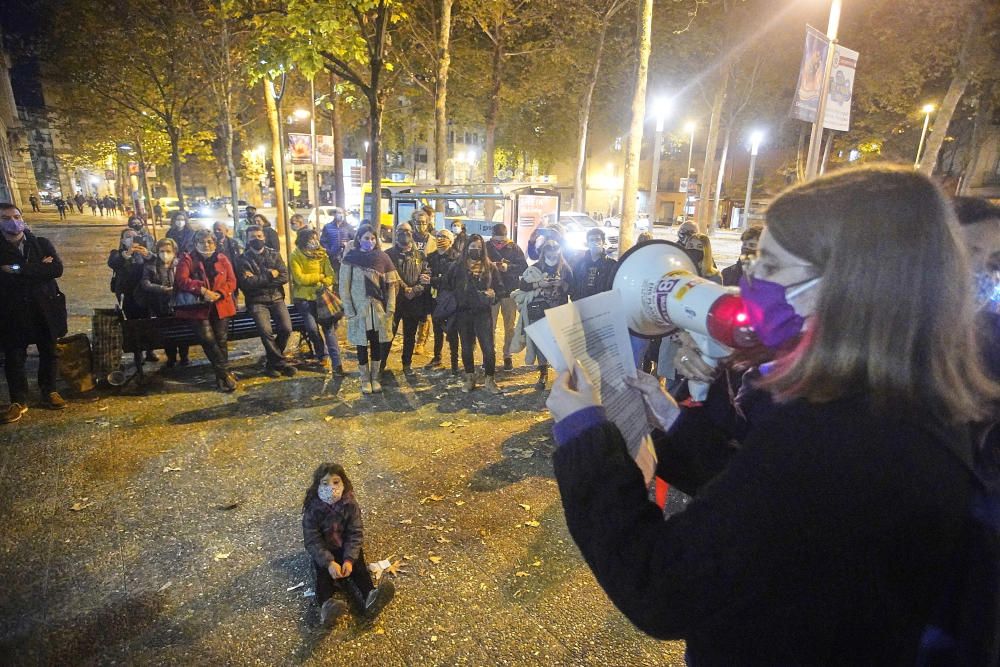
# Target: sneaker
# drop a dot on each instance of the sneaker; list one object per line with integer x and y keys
{"x": 272, "y": 372}
{"x": 227, "y": 382}
{"x": 508, "y": 364}
{"x": 339, "y": 370}
{"x": 287, "y": 370}
{"x": 376, "y": 386}
{"x": 491, "y": 385}
{"x": 436, "y": 361}
{"x": 54, "y": 401}
{"x": 331, "y": 611}
{"x": 13, "y": 413}
{"x": 378, "y": 598}
{"x": 470, "y": 382}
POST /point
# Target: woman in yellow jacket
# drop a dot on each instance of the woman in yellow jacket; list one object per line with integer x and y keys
{"x": 311, "y": 269}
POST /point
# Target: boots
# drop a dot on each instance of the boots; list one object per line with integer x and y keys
{"x": 376, "y": 385}
{"x": 470, "y": 382}
{"x": 543, "y": 377}
{"x": 226, "y": 381}
{"x": 491, "y": 386}
{"x": 330, "y": 611}
{"x": 366, "y": 379}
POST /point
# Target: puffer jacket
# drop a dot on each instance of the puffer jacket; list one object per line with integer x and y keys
{"x": 261, "y": 287}
{"x": 309, "y": 272}
{"x": 333, "y": 528}
{"x": 157, "y": 286}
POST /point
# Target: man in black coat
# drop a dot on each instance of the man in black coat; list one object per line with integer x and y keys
{"x": 262, "y": 277}
{"x": 32, "y": 311}
{"x": 594, "y": 272}
{"x": 511, "y": 262}
{"x": 748, "y": 253}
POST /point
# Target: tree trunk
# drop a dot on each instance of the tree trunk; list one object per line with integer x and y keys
{"x": 175, "y": 162}
{"x": 630, "y": 193}
{"x": 147, "y": 213}
{"x": 441, "y": 94}
{"x": 979, "y": 125}
{"x": 276, "y": 152}
{"x": 708, "y": 172}
{"x": 226, "y": 98}
{"x": 936, "y": 137}
{"x": 722, "y": 173}
{"x": 579, "y": 182}
{"x": 340, "y": 196}
{"x": 375, "y": 107}
{"x": 492, "y": 114}
{"x": 800, "y": 165}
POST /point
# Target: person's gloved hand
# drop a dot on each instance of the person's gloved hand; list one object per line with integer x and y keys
{"x": 688, "y": 361}
{"x": 571, "y": 392}
{"x": 661, "y": 408}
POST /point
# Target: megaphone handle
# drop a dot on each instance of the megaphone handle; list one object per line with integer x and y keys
{"x": 698, "y": 389}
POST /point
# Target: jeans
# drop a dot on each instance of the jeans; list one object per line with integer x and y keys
{"x": 507, "y": 309}
{"x": 329, "y": 333}
{"x": 273, "y": 341}
{"x": 48, "y": 366}
{"x": 439, "y": 335}
{"x": 213, "y": 334}
{"x": 410, "y": 326}
{"x": 357, "y": 586}
{"x": 380, "y": 351}
{"x": 473, "y": 327}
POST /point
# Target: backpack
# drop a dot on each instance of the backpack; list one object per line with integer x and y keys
{"x": 965, "y": 626}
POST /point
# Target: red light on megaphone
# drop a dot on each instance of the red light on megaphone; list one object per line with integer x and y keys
{"x": 728, "y": 322}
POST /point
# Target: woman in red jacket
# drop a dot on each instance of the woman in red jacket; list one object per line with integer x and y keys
{"x": 208, "y": 276}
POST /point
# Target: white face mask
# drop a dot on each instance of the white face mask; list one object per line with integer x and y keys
{"x": 166, "y": 257}
{"x": 456, "y": 229}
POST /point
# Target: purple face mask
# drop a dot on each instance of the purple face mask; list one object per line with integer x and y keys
{"x": 773, "y": 319}
{"x": 367, "y": 245}
{"x": 13, "y": 227}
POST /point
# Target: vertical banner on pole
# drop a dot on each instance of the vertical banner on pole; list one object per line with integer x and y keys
{"x": 841, "y": 89}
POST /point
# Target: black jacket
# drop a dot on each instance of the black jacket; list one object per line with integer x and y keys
{"x": 592, "y": 276}
{"x": 470, "y": 290}
{"x": 30, "y": 293}
{"x": 271, "y": 238}
{"x": 439, "y": 264}
{"x": 262, "y": 287}
{"x": 731, "y": 274}
{"x": 157, "y": 287}
{"x": 823, "y": 538}
{"x": 333, "y": 532}
{"x": 127, "y": 272}
{"x": 409, "y": 265}
{"x": 516, "y": 264}
{"x": 183, "y": 237}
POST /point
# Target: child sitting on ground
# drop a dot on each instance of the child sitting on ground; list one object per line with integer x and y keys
{"x": 333, "y": 535}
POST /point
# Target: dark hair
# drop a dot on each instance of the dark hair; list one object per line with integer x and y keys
{"x": 428, "y": 209}
{"x": 7, "y": 205}
{"x": 302, "y": 237}
{"x": 322, "y": 471}
{"x": 131, "y": 218}
{"x": 462, "y": 264}
{"x": 595, "y": 231}
{"x": 364, "y": 229}
{"x": 894, "y": 316}
{"x": 973, "y": 210}
{"x": 251, "y": 229}
{"x": 751, "y": 233}
{"x": 500, "y": 229}
{"x": 267, "y": 223}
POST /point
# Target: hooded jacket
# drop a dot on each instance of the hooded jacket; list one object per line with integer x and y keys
{"x": 262, "y": 287}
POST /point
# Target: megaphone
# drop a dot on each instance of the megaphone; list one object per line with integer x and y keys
{"x": 661, "y": 290}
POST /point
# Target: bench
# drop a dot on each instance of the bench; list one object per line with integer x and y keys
{"x": 139, "y": 335}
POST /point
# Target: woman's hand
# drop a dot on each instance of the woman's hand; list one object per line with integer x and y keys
{"x": 688, "y": 361}
{"x": 334, "y": 570}
{"x": 571, "y": 392}
{"x": 661, "y": 408}
{"x": 346, "y": 568}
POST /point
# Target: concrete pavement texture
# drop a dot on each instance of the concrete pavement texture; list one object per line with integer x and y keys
{"x": 162, "y": 524}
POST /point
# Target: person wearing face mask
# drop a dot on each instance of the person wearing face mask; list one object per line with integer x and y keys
{"x": 262, "y": 276}
{"x": 699, "y": 249}
{"x": 311, "y": 270}
{"x": 439, "y": 263}
{"x": 181, "y": 232}
{"x": 335, "y": 237}
{"x": 225, "y": 243}
{"x": 270, "y": 233}
{"x": 368, "y": 290}
{"x": 297, "y": 222}
{"x": 157, "y": 287}
{"x": 594, "y": 271}
{"x": 413, "y": 300}
{"x": 333, "y": 534}
{"x": 811, "y": 518}
{"x": 748, "y": 254}
{"x": 475, "y": 279}
{"x": 126, "y": 263}
{"x": 686, "y": 230}
{"x": 546, "y": 284}
{"x": 143, "y": 237}
{"x": 207, "y": 275}
{"x": 511, "y": 262}
{"x": 32, "y": 311}
{"x": 423, "y": 233}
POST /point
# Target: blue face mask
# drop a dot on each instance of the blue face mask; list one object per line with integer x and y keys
{"x": 367, "y": 245}
{"x": 772, "y": 317}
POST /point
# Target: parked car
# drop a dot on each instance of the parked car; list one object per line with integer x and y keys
{"x": 575, "y": 227}
{"x": 241, "y": 207}
{"x": 325, "y": 216}
{"x": 170, "y": 205}
{"x": 641, "y": 223}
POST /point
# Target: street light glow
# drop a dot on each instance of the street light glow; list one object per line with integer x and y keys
{"x": 928, "y": 108}
{"x": 300, "y": 114}
{"x": 755, "y": 138}
{"x": 261, "y": 148}
{"x": 690, "y": 126}
{"x": 662, "y": 107}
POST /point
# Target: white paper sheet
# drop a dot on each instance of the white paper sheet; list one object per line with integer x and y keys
{"x": 593, "y": 332}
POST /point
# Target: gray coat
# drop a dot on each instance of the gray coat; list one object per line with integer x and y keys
{"x": 364, "y": 313}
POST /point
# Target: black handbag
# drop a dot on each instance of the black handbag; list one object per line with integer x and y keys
{"x": 446, "y": 306}
{"x": 182, "y": 300}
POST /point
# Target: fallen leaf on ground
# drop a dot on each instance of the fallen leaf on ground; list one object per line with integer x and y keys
{"x": 172, "y": 469}
{"x": 434, "y": 559}
{"x": 443, "y": 540}
{"x": 537, "y": 563}
{"x": 396, "y": 568}
{"x": 525, "y": 506}
{"x": 540, "y": 418}
{"x": 223, "y": 556}
{"x": 76, "y": 507}
{"x": 406, "y": 521}
{"x": 445, "y": 424}
{"x": 433, "y": 498}
{"x": 521, "y": 573}
{"x": 459, "y": 502}
{"x": 437, "y": 451}
{"x": 533, "y": 524}
{"x": 328, "y": 418}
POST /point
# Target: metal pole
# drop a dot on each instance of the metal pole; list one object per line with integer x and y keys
{"x": 690, "y": 153}
{"x": 816, "y": 138}
{"x": 654, "y": 184}
{"x": 923, "y": 135}
{"x": 315, "y": 149}
{"x": 746, "y": 205}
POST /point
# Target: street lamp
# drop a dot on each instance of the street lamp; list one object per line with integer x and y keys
{"x": 689, "y": 127}
{"x": 301, "y": 114}
{"x": 755, "y": 140}
{"x": 928, "y": 109}
{"x": 661, "y": 109}
{"x": 816, "y": 138}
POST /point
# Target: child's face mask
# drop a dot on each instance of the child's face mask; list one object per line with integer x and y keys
{"x": 330, "y": 489}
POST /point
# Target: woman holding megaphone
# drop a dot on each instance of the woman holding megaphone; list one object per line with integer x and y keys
{"x": 822, "y": 532}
